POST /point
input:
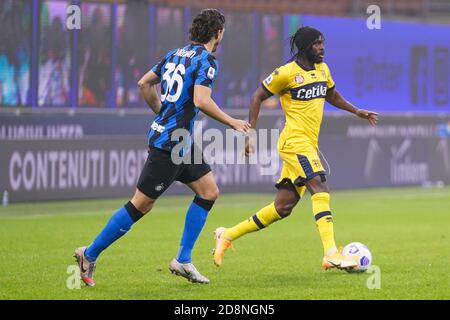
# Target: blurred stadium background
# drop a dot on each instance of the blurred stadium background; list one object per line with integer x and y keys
{"x": 72, "y": 126}
{"x": 72, "y": 123}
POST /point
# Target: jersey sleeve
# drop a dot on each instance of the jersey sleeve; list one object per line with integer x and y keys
{"x": 277, "y": 81}
{"x": 207, "y": 72}
{"x": 330, "y": 81}
{"x": 157, "y": 68}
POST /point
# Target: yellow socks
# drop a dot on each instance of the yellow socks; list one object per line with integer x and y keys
{"x": 324, "y": 220}
{"x": 258, "y": 221}
{"x": 268, "y": 215}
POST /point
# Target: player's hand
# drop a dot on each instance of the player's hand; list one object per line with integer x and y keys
{"x": 371, "y": 116}
{"x": 240, "y": 125}
{"x": 249, "y": 147}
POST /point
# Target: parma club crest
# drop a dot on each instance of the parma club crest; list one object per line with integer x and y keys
{"x": 299, "y": 79}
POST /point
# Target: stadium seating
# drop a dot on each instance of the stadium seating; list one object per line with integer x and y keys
{"x": 324, "y": 7}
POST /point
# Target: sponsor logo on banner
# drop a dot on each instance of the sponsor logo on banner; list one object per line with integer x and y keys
{"x": 404, "y": 170}
{"x": 38, "y": 131}
{"x": 74, "y": 169}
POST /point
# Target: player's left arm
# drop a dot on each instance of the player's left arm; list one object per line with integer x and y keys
{"x": 149, "y": 90}
{"x": 336, "y": 99}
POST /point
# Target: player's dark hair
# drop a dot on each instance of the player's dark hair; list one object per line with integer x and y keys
{"x": 206, "y": 25}
{"x": 303, "y": 39}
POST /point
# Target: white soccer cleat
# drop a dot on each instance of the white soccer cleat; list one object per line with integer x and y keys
{"x": 188, "y": 271}
{"x": 337, "y": 260}
{"x": 87, "y": 268}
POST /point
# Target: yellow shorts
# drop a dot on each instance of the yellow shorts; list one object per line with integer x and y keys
{"x": 299, "y": 168}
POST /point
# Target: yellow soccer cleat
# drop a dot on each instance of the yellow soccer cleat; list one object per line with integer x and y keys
{"x": 222, "y": 245}
{"x": 337, "y": 260}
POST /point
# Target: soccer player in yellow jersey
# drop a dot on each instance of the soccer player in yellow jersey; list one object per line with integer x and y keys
{"x": 303, "y": 85}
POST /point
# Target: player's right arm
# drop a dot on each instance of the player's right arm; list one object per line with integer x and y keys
{"x": 334, "y": 98}
{"x": 204, "y": 101}
{"x": 258, "y": 97}
{"x": 148, "y": 85}
{"x": 148, "y": 88}
{"x": 273, "y": 84}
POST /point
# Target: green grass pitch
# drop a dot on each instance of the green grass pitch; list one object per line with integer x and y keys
{"x": 407, "y": 231}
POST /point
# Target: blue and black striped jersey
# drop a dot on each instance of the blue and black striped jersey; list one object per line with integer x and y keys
{"x": 179, "y": 71}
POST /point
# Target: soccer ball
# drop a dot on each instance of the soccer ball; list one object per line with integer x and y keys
{"x": 360, "y": 253}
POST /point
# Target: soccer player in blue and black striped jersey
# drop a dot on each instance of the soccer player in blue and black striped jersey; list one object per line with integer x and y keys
{"x": 186, "y": 76}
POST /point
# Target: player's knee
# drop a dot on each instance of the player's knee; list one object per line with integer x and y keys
{"x": 210, "y": 194}
{"x": 144, "y": 206}
{"x": 142, "y": 203}
{"x": 285, "y": 209}
{"x": 317, "y": 184}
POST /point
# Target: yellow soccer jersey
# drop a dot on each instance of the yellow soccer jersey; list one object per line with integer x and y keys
{"x": 302, "y": 96}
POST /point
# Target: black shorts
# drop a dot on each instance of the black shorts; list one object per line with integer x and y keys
{"x": 160, "y": 172}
